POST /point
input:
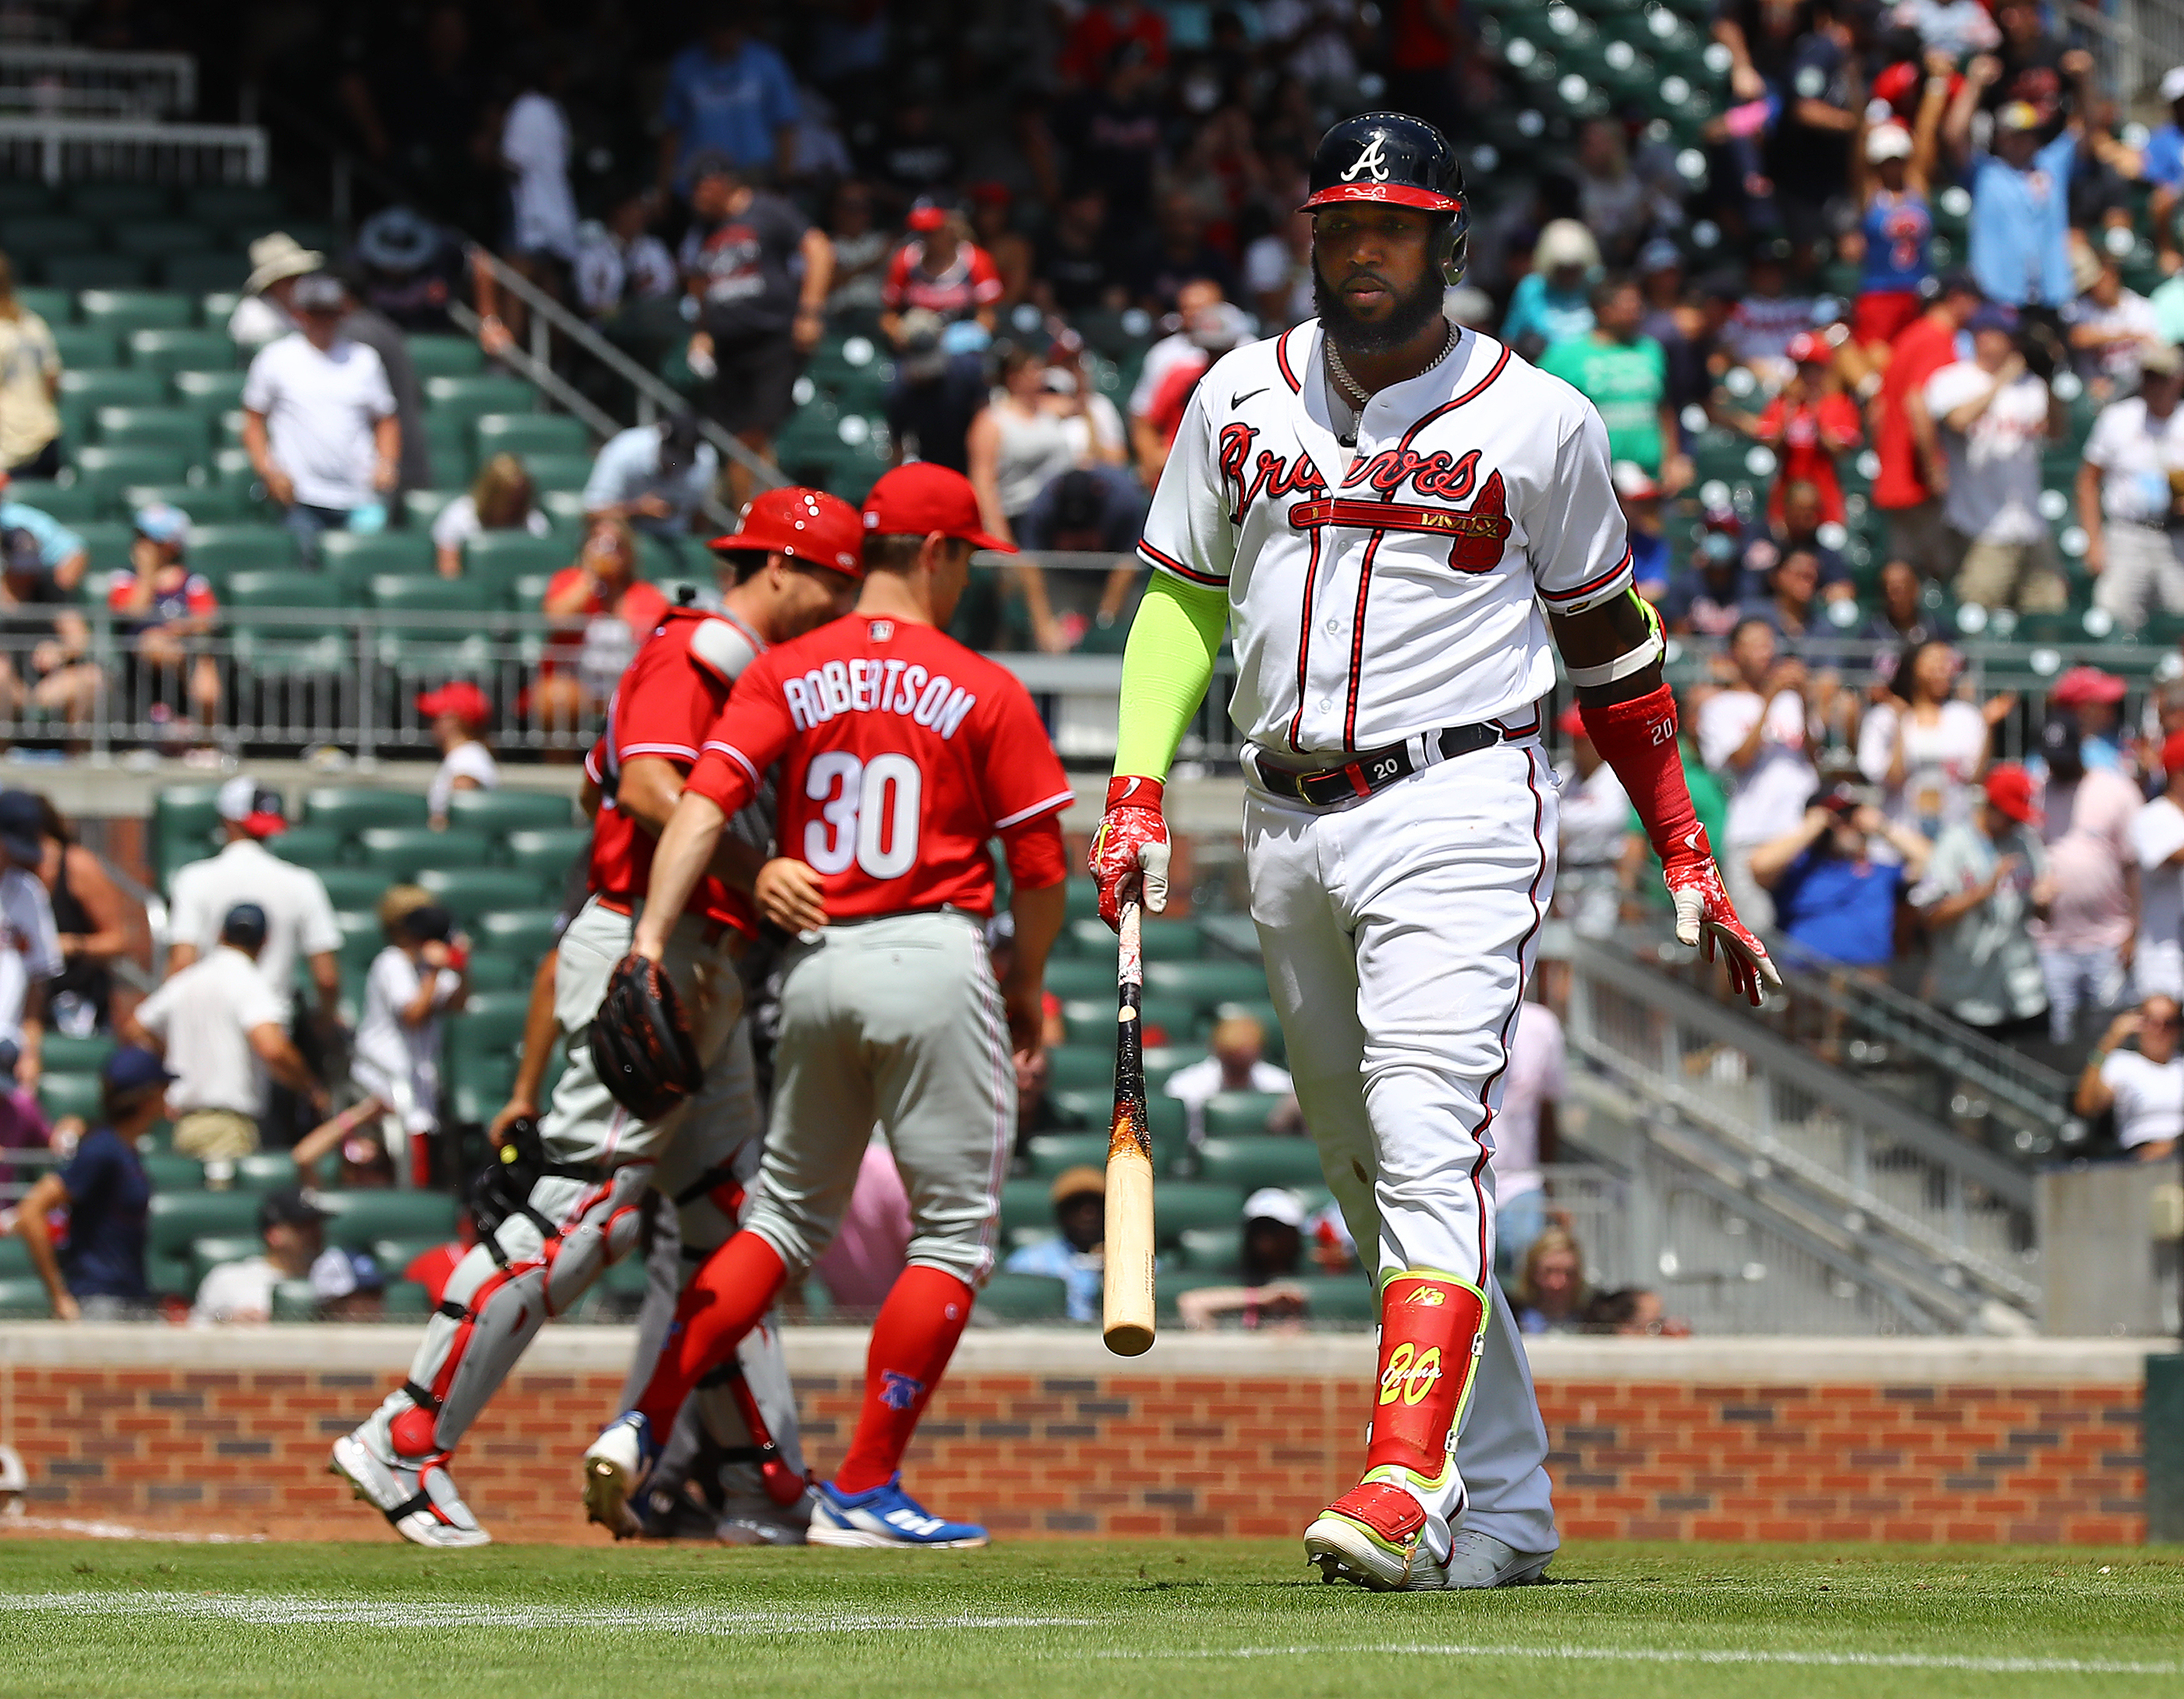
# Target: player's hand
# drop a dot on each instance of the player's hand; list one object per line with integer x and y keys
{"x": 65, "y": 1308}
{"x": 281, "y": 487}
{"x": 515, "y": 1109}
{"x": 1706, "y": 917}
{"x": 789, "y": 893}
{"x": 1025, "y": 1007}
{"x": 1130, "y": 850}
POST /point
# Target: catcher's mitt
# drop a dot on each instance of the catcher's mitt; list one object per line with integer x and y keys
{"x": 641, "y": 1043}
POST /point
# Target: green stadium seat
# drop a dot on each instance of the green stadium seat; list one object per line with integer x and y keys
{"x": 276, "y": 638}
{"x": 1208, "y": 982}
{"x": 419, "y": 508}
{"x": 356, "y": 1218}
{"x": 404, "y": 1300}
{"x": 447, "y": 437}
{"x": 565, "y": 509}
{"x": 111, "y": 470}
{"x": 179, "y": 350}
{"x": 349, "y": 811}
{"x": 1252, "y": 1162}
{"x": 559, "y": 474}
{"x": 1024, "y": 1297}
{"x": 69, "y": 1093}
{"x": 57, "y": 307}
{"x": 158, "y": 238}
{"x": 124, "y": 310}
{"x": 546, "y": 851}
{"x": 497, "y": 812}
{"x": 1081, "y": 978}
{"x": 524, "y": 933}
{"x": 85, "y": 348}
{"x": 1212, "y": 1249}
{"x": 220, "y": 550}
{"x": 354, "y": 556}
{"x": 1082, "y": 900}
{"x": 396, "y": 1251}
{"x": 26, "y": 194}
{"x": 446, "y": 357}
{"x": 1027, "y": 1212}
{"x": 120, "y": 204}
{"x": 1051, "y": 1153}
{"x": 309, "y": 846}
{"x": 35, "y": 233}
{"x": 527, "y": 433}
{"x": 113, "y": 386}
{"x": 356, "y": 889}
{"x": 473, "y": 398}
{"x": 185, "y": 826}
{"x": 402, "y": 852}
{"x": 215, "y": 391}
{"x": 265, "y": 1170}
{"x": 499, "y": 558}
{"x": 499, "y": 973}
{"x": 1241, "y": 1114}
{"x": 23, "y": 1298}
{"x": 526, "y": 595}
{"x": 1165, "y": 940}
{"x": 178, "y": 1219}
{"x": 66, "y": 1053}
{"x": 1169, "y": 1020}
{"x": 426, "y": 593}
{"x": 232, "y": 206}
{"x": 1080, "y": 1067}
{"x": 215, "y": 271}
{"x": 1339, "y": 1298}
{"x": 180, "y": 428}
{"x": 490, "y": 1027}
{"x": 106, "y": 541}
{"x": 1181, "y": 1205}
{"x": 67, "y": 503}
{"x": 169, "y": 1173}
{"x": 207, "y": 501}
{"x": 14, "y": 1257}
{"x": 469, "y": 892}
{"x": 92, "y": 272}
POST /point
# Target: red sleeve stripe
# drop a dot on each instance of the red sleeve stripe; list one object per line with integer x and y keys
{"x": 739, "y": 758}
{"x": 681, "y": 751}
{"x": 1282, "y": 359}
{"x": 1059, "y": 799}
{"x": 1168, "y": 563}
{"x": 591, "y": 766}
{"x": 1594, "y": 586}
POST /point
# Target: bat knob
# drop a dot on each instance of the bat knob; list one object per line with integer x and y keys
{"x": 1129, "y": 1338}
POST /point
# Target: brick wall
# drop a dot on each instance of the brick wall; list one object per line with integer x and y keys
{"x": 1035, "y": 1436}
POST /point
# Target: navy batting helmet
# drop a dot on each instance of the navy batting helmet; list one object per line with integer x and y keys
{"x": 1395, "y": 159}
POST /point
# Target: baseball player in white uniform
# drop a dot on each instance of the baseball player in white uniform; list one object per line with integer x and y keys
{"x": 1378, "y": 505}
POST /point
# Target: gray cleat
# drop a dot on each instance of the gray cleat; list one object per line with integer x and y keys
{"x": 1480, "y": 1560}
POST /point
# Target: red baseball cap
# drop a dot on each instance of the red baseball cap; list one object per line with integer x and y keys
{"x": 2172, "y": 752}
{"x": 913, "y": 500}
{"x": 926, "y": 216}
{"x": 1809, "y": 348}
{"x": 809, "y": 526}
{"x": 2084, "y": 684}
{"x": 466, "y": 701}
{"x": 2009, "y": 788}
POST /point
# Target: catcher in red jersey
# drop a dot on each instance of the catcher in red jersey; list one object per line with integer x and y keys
{"x": 1401, "y": 521}
{"x": 570, "y": 1198}
{"x": 902, "y": 755}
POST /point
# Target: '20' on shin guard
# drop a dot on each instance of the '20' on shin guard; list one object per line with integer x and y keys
{"x": 1433, "y": 1326}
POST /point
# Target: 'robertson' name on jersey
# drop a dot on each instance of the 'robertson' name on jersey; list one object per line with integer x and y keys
{"x": 1394, "y": 589}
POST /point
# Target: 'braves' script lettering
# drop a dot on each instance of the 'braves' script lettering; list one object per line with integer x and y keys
{"x": 1439, "y": 476}
{"x": 1270, "y": 475}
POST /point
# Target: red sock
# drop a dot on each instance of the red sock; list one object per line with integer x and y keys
{"x": 913, "y": 1340}
{"x": 728, "y": 1296}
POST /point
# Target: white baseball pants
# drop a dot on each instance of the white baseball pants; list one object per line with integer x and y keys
{"x": 1397, "y": 933}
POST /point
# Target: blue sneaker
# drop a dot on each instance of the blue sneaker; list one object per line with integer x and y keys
{"x": 615, "y": 1466}
{"x": 885, "y": 1516}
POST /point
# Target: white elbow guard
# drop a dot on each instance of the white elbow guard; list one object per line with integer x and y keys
{"x": 1636, "y": 661}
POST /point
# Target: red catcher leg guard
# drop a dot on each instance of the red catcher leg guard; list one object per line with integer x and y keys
{"x": 916, "y": 1334}
{"x": 726, "y": 1298}
{"x": 1430, "y": 1327}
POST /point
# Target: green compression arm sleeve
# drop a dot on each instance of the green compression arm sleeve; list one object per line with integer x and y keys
{"x": 1167, "y": 666}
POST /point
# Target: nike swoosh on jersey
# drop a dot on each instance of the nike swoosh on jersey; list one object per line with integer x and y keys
{"x": 1239, "y": 400}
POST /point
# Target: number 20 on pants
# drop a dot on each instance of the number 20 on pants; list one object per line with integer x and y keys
{"x": 869, "y": 815}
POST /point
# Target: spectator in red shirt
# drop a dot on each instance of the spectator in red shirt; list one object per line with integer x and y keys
{"x": 941, "y": 271}
{"x": 1912, "y": 481}
{"x": 1213, "y": 329}
{"x": 1105, "y": 26}
{"x": 602, "y": 614}
{"x": 1807, "y": 425}
{"x": 168, "y": 610}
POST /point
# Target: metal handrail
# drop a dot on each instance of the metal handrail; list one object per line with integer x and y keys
{"x": 53, "y": 136}
{"x": 21, "y": 62}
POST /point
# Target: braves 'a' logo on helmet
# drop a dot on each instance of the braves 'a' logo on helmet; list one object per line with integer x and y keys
{"x": 1370, "y": 159}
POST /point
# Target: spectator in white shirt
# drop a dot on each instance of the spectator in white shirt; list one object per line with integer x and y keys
{"x": 1236, "y": 1062}
{"x": 299, "y": 916}
{"x": 1993, "y": 417}
{"x": 459, "y": 712}
{"x": 2156, "y": 840}
{"x": 1596, "y": 823}
{"x": 30, "y": 943}
{"x": 534, "y": 150}
{"x": 222, "y": 1032}
{"x": 2145, "y": 1087}
{"x": 262, "y": 315}
{"x": 1525, "y": 1134}
{"x": 503, "y": 498}
{"x": 414, "y": 983}
{"x": 654, "y": 476}
{"x": 294, "y": 1230}
{"x": 2110, "y": 328}
{"x": 318, "y": 421}
{"x": 1927, "y": 747}
{"x": 1753, "y": 735}
{"x": 2125, "y": 501}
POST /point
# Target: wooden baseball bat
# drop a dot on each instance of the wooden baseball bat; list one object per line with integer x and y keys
{"x": 1126, "y": 1306}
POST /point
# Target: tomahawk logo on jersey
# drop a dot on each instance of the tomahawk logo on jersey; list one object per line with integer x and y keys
{"x": 1394, "y": 587}
{"x": 903, "y": 754}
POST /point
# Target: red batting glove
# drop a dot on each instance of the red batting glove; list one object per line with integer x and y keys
{"x": 1129, "y": 851}
{"x": 1705, "y": 917}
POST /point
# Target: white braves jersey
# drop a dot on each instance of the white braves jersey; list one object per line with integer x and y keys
{"x": 1381, "y": 592}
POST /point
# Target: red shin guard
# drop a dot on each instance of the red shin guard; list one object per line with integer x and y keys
{"x": 1638, "y": 740}
{"x": 913, "y": 1340}
{"x": 725, "y": 1299}
{"x": 1430, "y": 1328}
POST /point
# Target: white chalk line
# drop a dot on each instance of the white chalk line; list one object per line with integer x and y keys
{"x": 291, "y": 1611}
{"x": 267, "y": 1610}
{"x": 122, "y": 1530}
{"x": 1724, "y": 1655}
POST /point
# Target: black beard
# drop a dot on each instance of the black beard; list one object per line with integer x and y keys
{"x": 1352, "y": 335}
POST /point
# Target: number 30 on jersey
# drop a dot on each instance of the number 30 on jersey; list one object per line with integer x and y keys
{"x": 868, "y": 814}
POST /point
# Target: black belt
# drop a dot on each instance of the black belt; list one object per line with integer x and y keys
{"x": 1375, "y": 770}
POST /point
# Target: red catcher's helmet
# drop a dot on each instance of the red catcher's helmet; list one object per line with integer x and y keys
{"x": 810, "y": 526}
{"x": 1394, "y": 159}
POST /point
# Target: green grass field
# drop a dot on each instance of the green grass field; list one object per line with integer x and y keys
{"x": 87, "y": 1619}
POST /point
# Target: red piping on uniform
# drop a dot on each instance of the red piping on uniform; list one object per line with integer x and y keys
{"x": 1587, "y": 589}
{"x": 1381, "y": 514}
{"x": 1357, "y": 641}
{"x": 1470, "y": 394}
{"x": 1154, "y": 557}
{"x": 1282, "y": 359}
{"x": 1304, "y": 646}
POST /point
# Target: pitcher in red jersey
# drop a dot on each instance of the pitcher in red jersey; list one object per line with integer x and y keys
{"x": 902, "y": 753}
